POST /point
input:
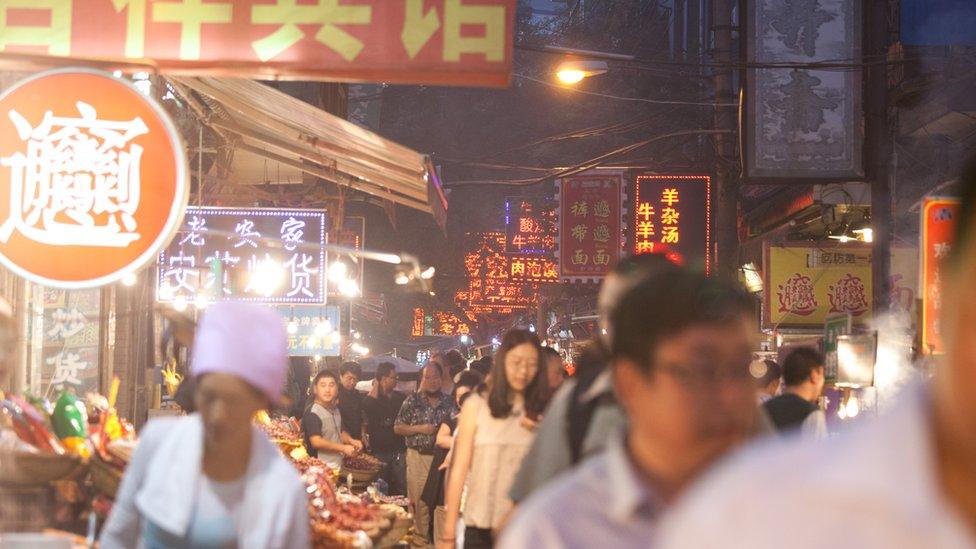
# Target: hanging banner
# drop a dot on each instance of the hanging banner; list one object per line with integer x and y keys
{"x": 92, "y": 178}
{"x": 437, "y": 323}
{"x": 451, "y": 42}
{"x": 673, "y": 214}
{"x": 590, "y": 212}
{"x": 803, "y": 123}
{"x": 245, "y": 266}
{"x": 938, "y": 235}
{"x": 804, "y": 285}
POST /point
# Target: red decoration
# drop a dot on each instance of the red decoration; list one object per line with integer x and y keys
{"x": 938, "y": 236}
{"x": 589, "y": 225}
{"x": 672, "y": 215}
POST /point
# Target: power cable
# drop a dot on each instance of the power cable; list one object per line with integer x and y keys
{"x": 617, "y": 97}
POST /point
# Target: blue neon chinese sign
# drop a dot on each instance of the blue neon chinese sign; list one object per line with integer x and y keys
{"x": 312, "y": 330}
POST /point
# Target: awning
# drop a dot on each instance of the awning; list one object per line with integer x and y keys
{"x": 279, "y": 127}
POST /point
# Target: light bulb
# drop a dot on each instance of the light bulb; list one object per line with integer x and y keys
{"x": 571, "y": 76}
{"x": 337, "y": 271}
{"x": 130, "y": 279}
{"x": 402, "y": 279}
{"x": 853, "y": 407}
{"x": 201, "y": 301}
{"x": 179, "y": 304}
{"x": 292, "y": 327}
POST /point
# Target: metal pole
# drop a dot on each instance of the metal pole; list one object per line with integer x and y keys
{"x": 725, "y": 199}
{"x": 878, "y": 147}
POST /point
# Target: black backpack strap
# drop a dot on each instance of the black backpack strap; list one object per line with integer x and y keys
{"x": 580, "y": 414}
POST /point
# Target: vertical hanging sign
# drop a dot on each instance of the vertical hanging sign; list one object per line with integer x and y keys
{"x": 589, "y": 225}
{"x": 673, "y": 216}
{"x": 938, "y": 235}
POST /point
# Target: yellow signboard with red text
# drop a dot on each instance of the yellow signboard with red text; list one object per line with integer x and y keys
{"x": 805, "y": 284}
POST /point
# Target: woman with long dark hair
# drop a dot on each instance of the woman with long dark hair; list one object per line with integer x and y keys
{"x": 494, "y": 432}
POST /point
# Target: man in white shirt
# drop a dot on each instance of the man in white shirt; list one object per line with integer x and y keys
{"x": 905, "y": 480}
{"x": 680, "y": 349}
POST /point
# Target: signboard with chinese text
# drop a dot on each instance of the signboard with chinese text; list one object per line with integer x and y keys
{"x": 312, "y": 330}
{"x": 491, "y": 288}
{"x": 938, "y": 235}
{"x": 529, "y": 228}
{"x": 803, "y": 122}
{"x": 292, "y": 273}
{"x": 805, "y": 284}
{"x": 673, "y": 214}
{"x": 456, "y": 42}
{"x": 437, "y": 323}
{"x": 532, "y": 268}
{"x": 65, "y": 339}
{"x": 835, "y": 325}
{"x": 590, "y": 207}
{"x": 92, "y": 178}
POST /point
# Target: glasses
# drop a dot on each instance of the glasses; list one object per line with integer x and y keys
{"x": 701, "y": 375}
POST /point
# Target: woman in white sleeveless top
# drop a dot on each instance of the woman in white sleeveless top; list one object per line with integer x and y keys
{"x": 494, "y": 433}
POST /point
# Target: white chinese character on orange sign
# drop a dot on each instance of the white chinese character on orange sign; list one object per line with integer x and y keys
{"x": 669, "y": 196}
{"x": 327, "y": 14}
{"x": 77, "y": 183}
{"x": 191, "y": 15}
{"x": 942, "y": 250}
{"x": 420, "y": 26}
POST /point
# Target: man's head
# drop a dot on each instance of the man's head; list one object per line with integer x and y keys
{"x": 386, "y": 377}
{"x": 768, "y": 376}
{"x": 955, "y": 380}
{"x": 432, "y": 377}
{"x": 681, "y": 350}
{"x": 349, "y": 375}
{"x": 455, "y": 362}
{"x": 628, "y": 273}
{"x": 467, "y": 382}
{"x": 555, "y": 372}
{"x": 325, "y": 388}
{"x": 803, "y": 370}
{"x": 482, "y": 366}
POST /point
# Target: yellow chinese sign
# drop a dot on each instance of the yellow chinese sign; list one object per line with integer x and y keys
{"x": 457, "y": 42}
{"x": 804, "y": 284}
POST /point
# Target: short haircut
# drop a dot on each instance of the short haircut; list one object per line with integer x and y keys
{"x": 549, "y": 352}
{"x": 799, "y": 364}
{"x": 966, "y": 220}
{"x": 772, "y": 373}
{"x": 323, "y": 374}
{"x": 482, "y": 365}
{"x": 455, "y": 361}
{"x": 470, "y": 379}
{"x": 384, "y": 369}
{"x": 435, "y": 364}
{"x": 669, "y": 302}
{"x": 629, "y": 272}
{"x": 351, "y": 368}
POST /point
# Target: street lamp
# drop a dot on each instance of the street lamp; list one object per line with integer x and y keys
{"x": 574, "y": 71}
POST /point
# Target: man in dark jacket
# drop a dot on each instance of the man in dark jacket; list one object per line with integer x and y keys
{"x": 796, "y": 408}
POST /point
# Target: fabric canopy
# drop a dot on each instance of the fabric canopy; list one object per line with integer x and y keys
{"x": 279, "y": 127}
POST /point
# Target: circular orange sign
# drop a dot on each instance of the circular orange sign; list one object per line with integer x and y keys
{"x": 92, "y": 178}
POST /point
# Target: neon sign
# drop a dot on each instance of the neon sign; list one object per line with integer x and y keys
{"x": 672, "y": 215}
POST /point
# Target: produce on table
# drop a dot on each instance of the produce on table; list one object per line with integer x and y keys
{"x": 362, "y": 462}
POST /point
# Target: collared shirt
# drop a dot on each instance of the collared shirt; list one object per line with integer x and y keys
{"x": 550, "y": 453}
{"x": 416, "y": 410}
{"x": 603, "y": 503}
{"x": 380, "y": 414}
{"x": 874, "y": 486}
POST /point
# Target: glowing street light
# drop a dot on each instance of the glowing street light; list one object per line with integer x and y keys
{"x": 574, "y": 71}
{"x": 130, "y": 279}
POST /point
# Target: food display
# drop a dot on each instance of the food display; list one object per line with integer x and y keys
{"x": 362, "y": 462}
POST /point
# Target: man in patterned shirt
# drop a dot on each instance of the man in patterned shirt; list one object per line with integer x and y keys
{"x": 420, "y": 416}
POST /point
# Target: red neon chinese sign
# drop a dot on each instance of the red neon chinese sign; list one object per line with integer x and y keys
{"x": 457, "y": 42}
{"x": 672, "y": 215}
{"x": 938, "y": 235}
{"x": 529, "y": 229}
{"x": 589, "y": 225}
{"x": 437, "y": 323}
{"x": 491, "y": 287}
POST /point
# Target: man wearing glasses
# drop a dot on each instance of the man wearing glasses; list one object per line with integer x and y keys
{"x": 680, "y": 354}
{"x": 380, "y": 410}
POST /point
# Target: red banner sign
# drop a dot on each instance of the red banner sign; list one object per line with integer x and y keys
{"x": 92, "y": 179}
{"x": 938, "y": 236}
{"x": 589, "y": 225}
{"x": 672, "y": 215}
{"x": 437, "y": 323}
{"x": 456, "y": 42}
{"x": 491, "y": 287}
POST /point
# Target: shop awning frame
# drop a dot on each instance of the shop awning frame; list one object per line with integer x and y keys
{"x": 264, "y": 121}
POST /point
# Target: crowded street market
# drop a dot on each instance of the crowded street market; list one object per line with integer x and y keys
{"x": 453, "y": 274}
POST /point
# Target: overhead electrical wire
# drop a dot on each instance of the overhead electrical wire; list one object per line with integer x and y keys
{"x": 620, "y": 98}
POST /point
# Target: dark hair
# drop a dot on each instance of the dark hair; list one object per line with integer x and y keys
{"x": 798, "y": 365}
{"x": 549, "y": 352}
{"x": 384, "y": 369}
{"x": 434, "y": 364}
{"x": 351, "y": 368}
{"x": 482, "y": 366}
{"x": 965, "y": 222}
{"x": 667, "y": 303}
{"x": 536, "y": 394}
{"x": 590, "y": 360}
{"x": 455, "y": 361}
{"x": 315, "y": 380}
{"x": 470, "y": 379}
{"x": 772, "y": 373}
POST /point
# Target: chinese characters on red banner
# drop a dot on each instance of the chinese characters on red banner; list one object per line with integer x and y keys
{"x": 938, "y": 236}
{"x": 672, "y": 215}
{"x": 463, "y": 42}
{"x": 589, "y": 225}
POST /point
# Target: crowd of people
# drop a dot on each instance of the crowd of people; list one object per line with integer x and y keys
{"x": 669, "y": 434}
